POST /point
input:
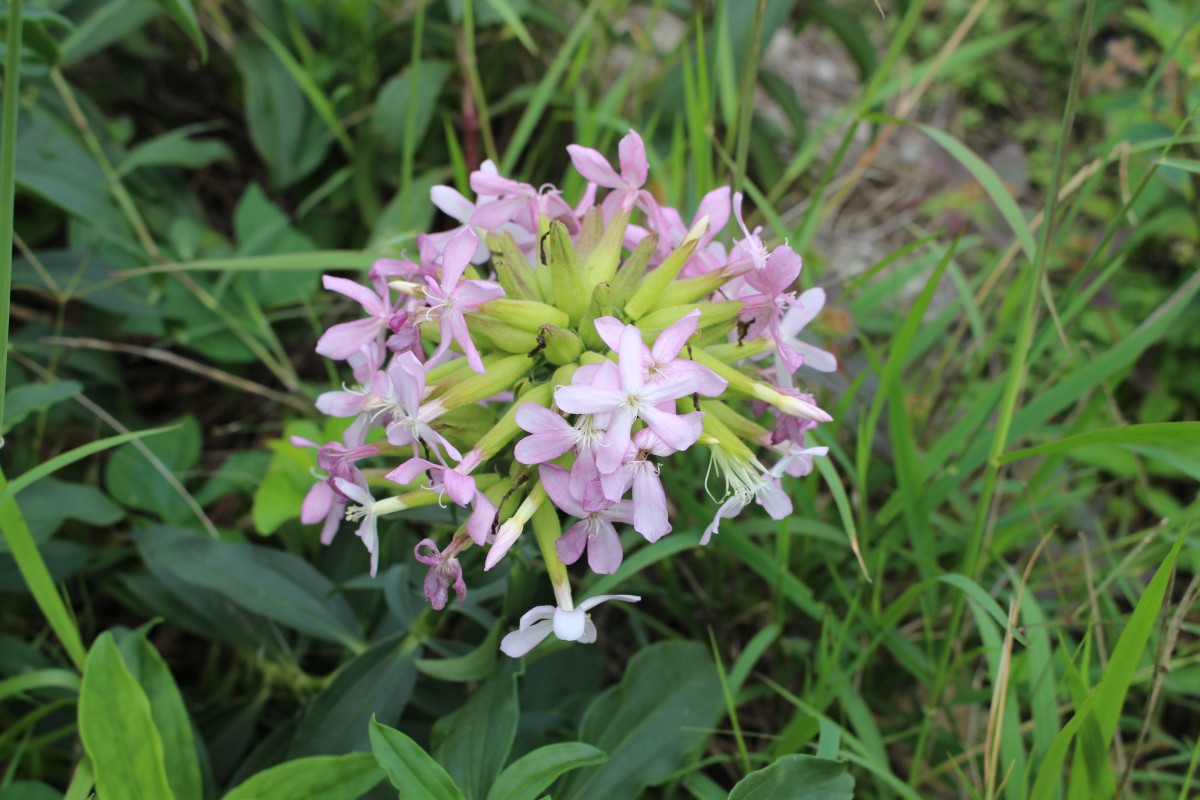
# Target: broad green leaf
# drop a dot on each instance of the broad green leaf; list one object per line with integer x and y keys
{"x": 660, "y": 712}
{"x": 473, "y": 743}
{"x": 475, "y": 665}
{"x": 182, "y": 12}
{"x": 118, "y": 731}
{"x": 797, "y": 777}
{"x": 32, "y": 398}
{"x": 169, "y": 713}
{"x": 176, "y": 148}
{"x": 50, "y": 502}
{"x": 29, "y": 790}
{"x": 531, "y": 774}
{"x": 138, "y": 485}
{"x": 1169, "y": 432}
{"x": 317, "y": 778}
{"x": 409, "y": 768}
{"x": 285, "y": 131}
{"x": 262, "y": 580}
{"x": 71, "y": 456}
{"x": 378, "y": 682}
{"x": 389, "y": 121}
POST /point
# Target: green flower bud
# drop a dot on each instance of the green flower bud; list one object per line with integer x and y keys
{"x": 657, "y": 280}
{"x": 570, "y": 294}
{"x": 600, "y": 306}
{"x": 501, "y": 335}
{"x": 559, "y": 345}
{"x": 514, "y": 272}
{"x": 601, "y": 264}
{"x": 632, "y": 271}
{"x": 711, "y": 314}
{"x": 500, "y": 376}
{"x": 526, "y": 315}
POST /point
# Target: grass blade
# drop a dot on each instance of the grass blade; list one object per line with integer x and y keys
{"x": 1174, "y": 432}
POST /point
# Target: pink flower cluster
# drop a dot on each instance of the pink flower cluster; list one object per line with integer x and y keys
{"x": 544, "y": 359}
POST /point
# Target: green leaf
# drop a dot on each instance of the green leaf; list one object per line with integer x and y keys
{"x": 1170, "y": 432}
{"x": 50, "y": 502}
{"x": 182, "y": 12}
{"x": 474, "y": 666}
{"x": 473, "y": 743}
{"x": 1185, "y": 164}
{"x": 117, "y": 729}
{"x": 133, "y": 482}
{"x": 389, "y": 120}
{"x": 317, "y": 778}
{"x": 530, "y": 775}
{"x": 1107, "y": 698}
{"x": 285, "y": 131}
{"x": 176, "y": 148}
{"x": 39, "y": 679}
{"x": 32, "y": 398}
{"x": 275, "y": 584}
{"x": 985, "y": 601}
{"x": 409, "y": 768}
{"x": 169, "y": 713}
{"x": 797, "y": 778}
{"x": 377, "y": 682}
{"x": 659, "y": 713}
{"x": 991, "y": 184}
{"x": 29, "y": 790}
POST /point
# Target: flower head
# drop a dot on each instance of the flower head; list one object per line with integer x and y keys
{"x": 568, "y": 624}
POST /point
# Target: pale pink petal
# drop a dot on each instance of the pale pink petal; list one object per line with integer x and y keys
{"x": 679, "y": 432}
{"x": 518, "y": 643}
{"x": 557, "y": 483}
{"x": 610, "y": 329}
{"x": 570, "y": 545}
{"x": 675, "y": 336}
{"x": 589, "y": 632}
{"x": 649, "y": 506}
{"x": 341, "y": 404}
{"x": 715, "y": 206}
{"x": 497, "y": 213}
{"x": 604, "y": 549}
{"x": 629, "y": 360}
{"x": 539, "y": 448}
{"x": 532, "y": 418}
{"x": 451, "y": 202}
{"x": 454, "y": 326}
{"x": 407, "y": 375}
{"x": 371, "y": 302}
{"x": 595, "y": 167}
{"x": 461, "y": 488}
{"x": 616, "y": 441}
{"x": 407, "y": 472}
{"x": 492, "y": 185}
{"x": 816, "y": 358}
{"x": 358, "y": 494}
{"x": 471, "y": 294}
{"x": 803, "y": 311}
{"x": 776, "y": 502}
{"x": 592, "y": 602}
{"x": 479, "y": 524}
{"x": 587, "y": 399}
{"x": 632, "y": 153}
{"x": 346, "y": 338}
{"x": 316, "y": 503}
{"x": 459, "y": 252}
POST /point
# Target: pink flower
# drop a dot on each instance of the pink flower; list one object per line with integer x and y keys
{"x": 636, "y": 398}
{"x": 708, "y": 255}
{"x": 444, "y": 571}
{"x": 452, "y": 298}
{"x": 594, "y": 531}
{"x": 365, "y": 365}
{"x": 459, "y": 486}
{"x": 324, "y": 502}
{"x": 454, "y": 205}
{"x": 368, "y": 529}
{"x": 661, "y": 361}
{"x": 626, "y": 186}
{"x": 752, "y": 247}
{"x": 408, "y": 419}
{"x": 516, "y": 202}
{"x": 568, "y": 624}
{"x": 347, "y": 338}
{"x": 650, "y": 517}
{"x": 803, "y": 311}
{"x": 749, "y": 483}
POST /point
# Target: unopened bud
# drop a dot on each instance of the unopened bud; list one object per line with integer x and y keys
{"x": 559, "y": 345}
{"x": 500, "y": 377}
{"x": 657, "y": 280}
{"x": 527, "y": 315}
{"x": 514, "y": 272}
{"x": 570, "y": 293}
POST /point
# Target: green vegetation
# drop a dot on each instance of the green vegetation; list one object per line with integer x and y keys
{"x": 987, "y": 590}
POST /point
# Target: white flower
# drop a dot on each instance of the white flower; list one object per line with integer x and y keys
{"x": 568, "y": 624}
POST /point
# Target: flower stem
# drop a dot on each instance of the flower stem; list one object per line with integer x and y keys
{"x": 547, "y": 529}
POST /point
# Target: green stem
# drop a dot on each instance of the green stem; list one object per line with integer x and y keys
{"x": 746, "y": 96}
{"x": 8, "y": 163}
{"x": 37, "y": 577}
{"x": 469, "y": 61}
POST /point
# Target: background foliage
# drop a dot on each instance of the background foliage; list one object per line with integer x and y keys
{"x": 1009, "y": 460}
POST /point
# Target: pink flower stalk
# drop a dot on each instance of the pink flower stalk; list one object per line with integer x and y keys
{"x": 594, "y": 531}
{"x": 444, "y": 571}
{"x": 450, "y": 299}
{"x": 568, "y": 624}
{"x": 636, "y": 398}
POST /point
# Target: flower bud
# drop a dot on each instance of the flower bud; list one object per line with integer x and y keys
{"x": 527, "y": 315}
{"x": 500, "y": 376}
{"x": 601, "y": 264}
{"x": 600, "y": 306}
{"x": 503, "y": 336}
{"x": 513, "y": 270}
{"x": 657, "y": 280}
{"x": 711, "y": 314}
{"x": 570, "y": 294}
{"x": 632, "y": 271}
{"x": 743, "y": 384}
{"x": 560, "y": 346}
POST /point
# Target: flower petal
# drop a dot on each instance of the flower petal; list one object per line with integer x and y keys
{"x": 592, "y": 602}
{"x": 372, "y": 303}
{"x": 587, "y": 399}
{"x": 604, "y": 549}
{"x": 632, "y": 154}
{"x": 520, "y": 642}
{"x": 569, "y": 625}
{"x": 595, "y": 167}
{"x": 346, "y": 338}
{"x": 557, "y": 483}
{"x": 570, "y": 545}
{"x": 649, "y": 506}
{"x": 675, "y": 336}
{"x": 451, "y": 202}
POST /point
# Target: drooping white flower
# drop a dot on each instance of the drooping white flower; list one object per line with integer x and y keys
{"x": 568, "y": 624}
